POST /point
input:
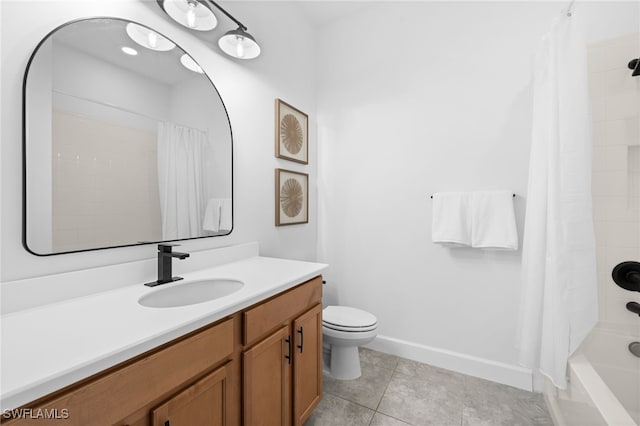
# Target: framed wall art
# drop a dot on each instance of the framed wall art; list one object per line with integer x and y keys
{"x": 292, "y": 197}
{"x": 292, "y": 133}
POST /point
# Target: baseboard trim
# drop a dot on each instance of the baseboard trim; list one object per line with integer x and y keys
{"x": 499, "y": 372}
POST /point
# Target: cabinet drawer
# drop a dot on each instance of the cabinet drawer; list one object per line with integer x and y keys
{"x": 202, "y": 403}
{"x": 260, "y": 320}
{"x": 123, "y": 390}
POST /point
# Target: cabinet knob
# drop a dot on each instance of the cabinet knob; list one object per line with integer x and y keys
{"x": 301, "y": 332}
{"x": 167, "y": 423}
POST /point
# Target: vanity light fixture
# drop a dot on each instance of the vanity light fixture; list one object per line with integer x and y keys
{"x": 198, "y": 15}
{"x": 148, "y": 38}
{"x": 193, "y": 14}
{"x": 239, "y": 44}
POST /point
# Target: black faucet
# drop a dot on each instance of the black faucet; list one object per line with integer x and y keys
{"x": 165, "y": 257}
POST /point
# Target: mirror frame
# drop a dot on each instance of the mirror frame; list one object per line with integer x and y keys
{"x": 24, "y": 145}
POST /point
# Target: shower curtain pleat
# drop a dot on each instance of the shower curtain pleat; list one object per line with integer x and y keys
{"x": 181, "y": 179}
{"x": 558, "y": 301}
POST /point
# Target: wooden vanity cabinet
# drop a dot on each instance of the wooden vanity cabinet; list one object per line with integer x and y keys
{"x": 203, "y": 403}
{"x": 266, "y": 376}
{"x": 307, "y": 364}
{"x": 282, "y": 372}
{"x": 261, "y": 366}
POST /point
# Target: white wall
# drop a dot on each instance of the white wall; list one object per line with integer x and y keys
{"x": 247, "y": 88}
{"x": 415, "y": 98}
{"x": 83, "y": 76}
{"x": 38, "y": 128}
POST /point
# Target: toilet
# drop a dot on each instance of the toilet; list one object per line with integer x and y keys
{"x": 343, "y": 330}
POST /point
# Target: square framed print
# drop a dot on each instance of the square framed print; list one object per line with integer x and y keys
{"x": 292, "y": 133}
{"x": 292, "y": 197}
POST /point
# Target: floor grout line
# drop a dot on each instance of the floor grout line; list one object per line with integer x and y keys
{"x": 381, "y": 398}
{"x": 348, "y": 400}
{"x": 395, "y": 418}
{"x": 395, "y": 370}
{"x": 380, "y": 364}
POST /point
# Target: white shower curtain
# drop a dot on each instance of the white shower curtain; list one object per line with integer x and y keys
{"x": 181, "y": 180}
{"x": 558, "y": 304}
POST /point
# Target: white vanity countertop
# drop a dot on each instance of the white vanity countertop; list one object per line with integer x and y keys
{"x": 49, "y": 347}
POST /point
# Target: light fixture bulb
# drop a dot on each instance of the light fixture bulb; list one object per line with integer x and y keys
{"x": 152, "y": 39}
{"x": 240, "y": 47}
{"x": 191, "y": 16}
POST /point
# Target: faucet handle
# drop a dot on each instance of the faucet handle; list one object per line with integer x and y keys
{"x": 166, "y": 247}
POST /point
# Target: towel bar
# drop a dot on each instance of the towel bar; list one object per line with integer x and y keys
{"x": 431, "y": 196}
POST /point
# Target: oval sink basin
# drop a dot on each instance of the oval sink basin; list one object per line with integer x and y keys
{"x": 190, "y": 293}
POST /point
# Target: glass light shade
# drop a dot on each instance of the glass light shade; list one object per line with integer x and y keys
{"x": 192, "y": 14}
{"x": 188, "y": 62}
{"x": 239, "y": 44}
{"x": 148, "y": 38}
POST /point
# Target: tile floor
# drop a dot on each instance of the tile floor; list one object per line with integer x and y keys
{"x": 393, "y": 391}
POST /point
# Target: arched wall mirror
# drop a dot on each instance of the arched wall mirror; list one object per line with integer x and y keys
{"x": 126, "y": 141}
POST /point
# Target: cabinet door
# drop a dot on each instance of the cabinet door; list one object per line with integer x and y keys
{"x": 140, "y": 418}
{"x": 267, "y": 389}
{"x": 307, "y": 364}
{"x": 201, "y": 404}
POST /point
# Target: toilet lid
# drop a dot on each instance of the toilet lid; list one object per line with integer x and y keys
{"x": 347, "y": 318}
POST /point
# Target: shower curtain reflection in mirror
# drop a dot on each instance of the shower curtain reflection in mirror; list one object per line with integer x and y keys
{"x": 182, "y": 181}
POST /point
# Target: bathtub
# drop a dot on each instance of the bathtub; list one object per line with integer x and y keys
{"x": 604, "y": 384}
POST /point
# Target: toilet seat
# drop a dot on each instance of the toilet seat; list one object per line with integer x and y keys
{"x": 348, "y": 319}
{"x": 349, "y": 329}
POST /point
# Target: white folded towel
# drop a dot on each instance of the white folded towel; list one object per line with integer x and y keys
{"x": 451, "y": 222}
{"x": 493, "y": 221}
{"x": 218, "y": 215}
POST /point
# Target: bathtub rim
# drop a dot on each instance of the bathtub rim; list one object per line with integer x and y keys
{"x": 606, "y": 402}
{"x": 602, "y": 397}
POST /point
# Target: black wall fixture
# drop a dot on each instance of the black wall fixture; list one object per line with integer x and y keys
{"x": 634, "y": 65}
{"x": 633, "y": 307}
{"x": 627, "y": 275}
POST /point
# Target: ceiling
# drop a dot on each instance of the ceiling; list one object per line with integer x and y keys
{"x": 323, "y": 12}
{"x": 103, "y": 38}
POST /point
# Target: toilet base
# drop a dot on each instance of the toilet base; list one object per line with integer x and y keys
{"x": 326, "y": 358}
{"x": 345, "y": 362}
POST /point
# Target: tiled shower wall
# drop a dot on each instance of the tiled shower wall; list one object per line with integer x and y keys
{"x": 105, "y": 184}
{"x": 615, "y": 97}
